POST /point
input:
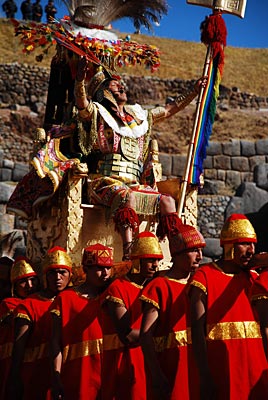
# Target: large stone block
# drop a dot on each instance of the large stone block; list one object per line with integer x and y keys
{"x": 222, "y": 162}
{"x": 5, "y": 191}
{"x": 253, "y": 197}
{"x": 178, "y": 164}
{"x": 248, "y": 148}
{"x": 231, "y": 148}
{"x": 261, "y": 176}
{"x": 214, "y": 148}
{"x": 240, "y": 164}
{"x": 5, "y": 174}
{"x": 256, "y": 160}
{"x": 6, "y": 224}
{"x": 262, "y": 146}
{"x": 208, "y": 162}
{"x": 166, "y": 161}
{"x": 19, "y": 171}
{"x": 233, "y": 179}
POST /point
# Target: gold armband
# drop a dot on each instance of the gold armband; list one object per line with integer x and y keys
{"x": 79, "y": 90}
{"x": 86, "y": 112}
{"x": 184, "y": 99}
{"x": 158, "y": 113}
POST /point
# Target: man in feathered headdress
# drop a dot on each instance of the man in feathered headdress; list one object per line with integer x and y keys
{"x": 116, "y": 138}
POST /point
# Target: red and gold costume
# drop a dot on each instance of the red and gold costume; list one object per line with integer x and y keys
{"x": 234, "y": 345}
{"x": 123, "y": 374}
{"x": 171, "y": 336}
{"x": 81, "y": 337}
{"x": 36, "y": 365}
{"x": 7, "y": 307}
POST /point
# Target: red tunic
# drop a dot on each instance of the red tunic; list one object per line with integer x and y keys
{"x": 81, "y": 343}
{"x": 260, "y": 286}
{"x": 235, "y": 352}
{"x": 171, "y": 336}
{"x": 123, "y": 374}
{"x": 7, "y": 307}
{"x": 36, "y": 364}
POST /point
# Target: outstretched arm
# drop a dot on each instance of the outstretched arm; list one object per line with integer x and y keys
{"x": 83, "y": 105}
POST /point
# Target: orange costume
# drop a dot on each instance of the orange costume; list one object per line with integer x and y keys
{"x": 123, "y": 373}
{"x": 234, "y": 344}
{"x": 81, "y": 344}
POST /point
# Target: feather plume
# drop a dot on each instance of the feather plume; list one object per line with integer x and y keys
{"x": 103, "y": 12}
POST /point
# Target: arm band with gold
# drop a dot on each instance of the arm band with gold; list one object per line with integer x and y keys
{"x": 81, "y": 99}
{"x": 185, "y": 98}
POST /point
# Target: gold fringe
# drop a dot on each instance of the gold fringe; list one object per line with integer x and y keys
{"x": 144, "y": 298}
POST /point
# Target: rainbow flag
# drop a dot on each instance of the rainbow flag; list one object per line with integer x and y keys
{"x": 214, "y": 36}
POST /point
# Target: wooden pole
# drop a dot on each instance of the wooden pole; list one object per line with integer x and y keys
{"x": 189, "y": 159}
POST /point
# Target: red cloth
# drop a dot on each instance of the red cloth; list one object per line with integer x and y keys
{"x": 171, "y": 335}
{"x": 81, "y": 343}
{"x": 260, "y": 286}
{"x": 235, "y": 352}
{"x": 7, "y": 307}
{"x": 123, "y": 374}
{"x": 36, "y": 365}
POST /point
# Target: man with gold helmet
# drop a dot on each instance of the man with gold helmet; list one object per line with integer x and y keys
{"x": 76, "y": 343}
{"x": 30, "y": 367}
{"x": 225, "y": 333}
{"x": 116, "y": 138}
{"x": 165, "y": 323}
{"x": 122, "y": 355}
{"x": 23, "y": 282}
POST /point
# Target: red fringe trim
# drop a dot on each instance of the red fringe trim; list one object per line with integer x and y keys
{"x": 169, "y": 225}
{"x": 214, "y": 33}
{"x": 126, "y": 217}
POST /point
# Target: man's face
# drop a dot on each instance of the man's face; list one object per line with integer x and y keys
{"x": 148, "y": 267}
{"x": 118, "y": 91}
{"x": 190, "y": 259}
{"x": 26, "y": 286}
{"x": 243, "y": 253}
{"x": 97, "y": 275}
{"x": 57, "y": 279}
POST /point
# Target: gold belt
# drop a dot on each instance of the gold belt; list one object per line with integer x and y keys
{"x": 116, "y": 164}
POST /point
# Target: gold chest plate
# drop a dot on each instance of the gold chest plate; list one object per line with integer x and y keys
{"x": 130, "y": 148}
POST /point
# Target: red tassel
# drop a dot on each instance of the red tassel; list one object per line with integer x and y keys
{"x": 169, "y": 225}
{"x": 126, "y": 217}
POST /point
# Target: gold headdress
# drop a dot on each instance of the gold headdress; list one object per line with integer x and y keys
{"x": 56, "y": 258}
{"x": 146, "y": 245}
{"x": 236, "y": 229}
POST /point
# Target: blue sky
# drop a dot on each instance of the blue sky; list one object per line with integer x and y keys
{"x": 183, "y": 20}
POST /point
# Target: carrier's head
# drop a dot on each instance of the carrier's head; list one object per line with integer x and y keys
{"x": 97, "y": 264}
{"x": 237, "y": 229}
{"x": 24, "y": 280}
{"x": 146, "y": 253}
{"x": 57, "y": 269}
{"x": 188, "y": 238}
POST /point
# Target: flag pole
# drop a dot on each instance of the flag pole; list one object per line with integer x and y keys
{"x": 189, "y": 159}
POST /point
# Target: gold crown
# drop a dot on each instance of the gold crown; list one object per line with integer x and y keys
{"x": 57, "y": 258}
{"x": 20, "y": 269}
{"x": 237, "y": 228}
{"x": 146, "y": 245}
